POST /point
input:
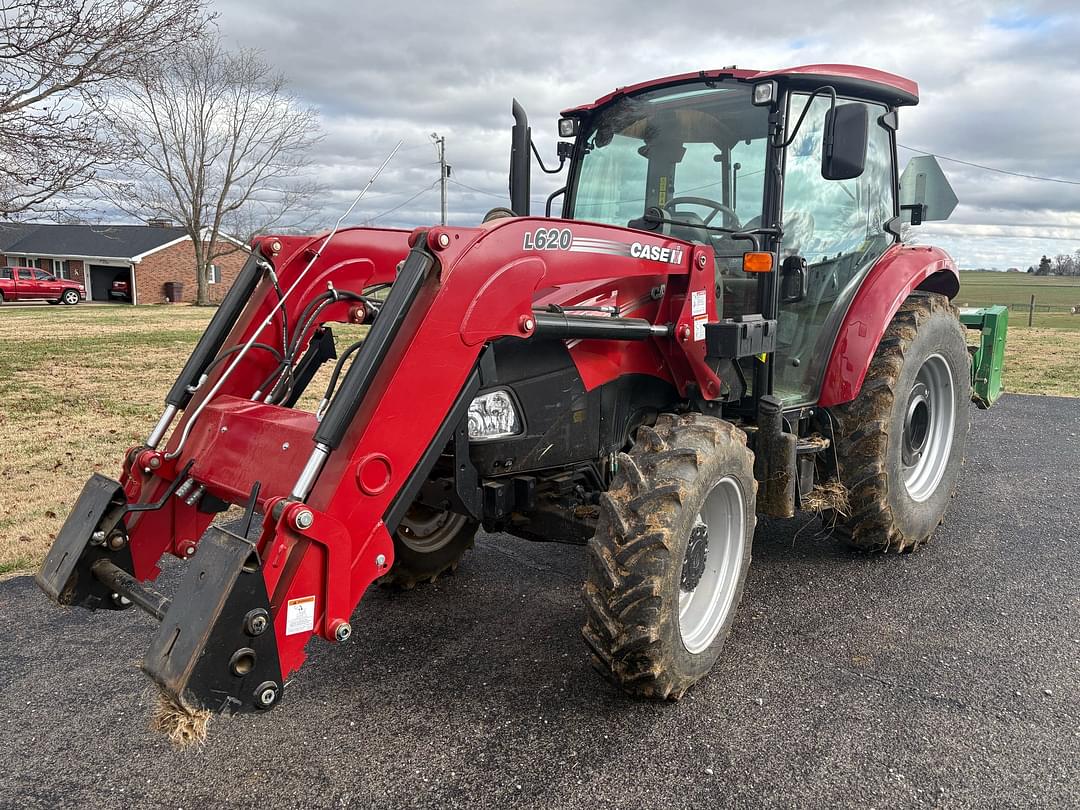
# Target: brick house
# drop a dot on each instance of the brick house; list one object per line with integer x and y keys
{"x": 147, "y": 257}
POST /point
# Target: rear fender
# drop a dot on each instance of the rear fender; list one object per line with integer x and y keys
{"x": 899, "y": 272}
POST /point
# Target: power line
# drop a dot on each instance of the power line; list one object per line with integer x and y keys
{"x": 992, "y": 168}
{"x": 503, "y": 197}
{"x": 479, "y": 190}
{"x": 402, "y": 205}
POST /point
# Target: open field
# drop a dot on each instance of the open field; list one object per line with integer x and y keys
{"x": 1054, "y": 296}
{"x": 80, "y": 385}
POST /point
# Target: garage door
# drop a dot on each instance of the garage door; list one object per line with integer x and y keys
{"x": 101, "y": 280}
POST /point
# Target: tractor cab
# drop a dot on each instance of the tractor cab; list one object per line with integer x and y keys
{"x": 799, "y": 164}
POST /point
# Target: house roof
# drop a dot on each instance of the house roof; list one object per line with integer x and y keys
{"x": 105, "y": 241}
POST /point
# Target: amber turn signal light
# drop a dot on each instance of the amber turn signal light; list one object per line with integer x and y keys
{"x": 757, "y": 262}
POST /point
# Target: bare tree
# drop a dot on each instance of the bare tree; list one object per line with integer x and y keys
{"x": 59, "y": 60}
{"x": 218, "y": 143}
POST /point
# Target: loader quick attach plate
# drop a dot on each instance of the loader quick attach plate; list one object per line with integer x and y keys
{"x": 216, "y": 647}
{"x": 65, "y": 576}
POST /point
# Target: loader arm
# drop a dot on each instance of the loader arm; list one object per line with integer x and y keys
{"x": 330, "y": 491}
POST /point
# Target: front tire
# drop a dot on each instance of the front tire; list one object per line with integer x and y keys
{"x": 900, "y": 443}
{"x": 427, "y": 544}
{"x": 70, "y": 297}
{"x": 670, "y": 553}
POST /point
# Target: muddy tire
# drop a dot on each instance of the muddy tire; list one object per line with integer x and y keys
{"x": 669, "y": 557}
{"x": 900, "y": 444}
{"x": 427, "y": 544}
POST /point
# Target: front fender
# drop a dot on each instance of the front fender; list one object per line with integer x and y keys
{"x": 899, "y": 272}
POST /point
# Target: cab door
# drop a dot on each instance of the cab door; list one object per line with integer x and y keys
{"x": 838, "y": 228}
{"x": 49, "y": 287}
{"x": 25, "y": 286}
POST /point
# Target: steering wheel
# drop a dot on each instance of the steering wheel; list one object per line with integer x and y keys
{"x": 731, "y": 219}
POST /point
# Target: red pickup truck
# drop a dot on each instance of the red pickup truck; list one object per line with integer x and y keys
{"x": 31, "y": 284}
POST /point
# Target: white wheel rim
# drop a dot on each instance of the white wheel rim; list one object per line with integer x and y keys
{"x": 929, "y": 419}
{"x": 426, "y": 530}
{"x": 703, "y": 610}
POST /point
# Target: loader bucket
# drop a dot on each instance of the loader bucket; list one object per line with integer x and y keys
{"x": 988, "y": 356}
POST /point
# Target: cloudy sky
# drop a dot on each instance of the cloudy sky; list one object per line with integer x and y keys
{"x": 1000, "y": 86}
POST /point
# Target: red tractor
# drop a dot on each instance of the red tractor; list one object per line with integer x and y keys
{"x": 723, "y": 322}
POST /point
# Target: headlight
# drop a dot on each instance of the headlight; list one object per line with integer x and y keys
{"x": 492, "y": 416}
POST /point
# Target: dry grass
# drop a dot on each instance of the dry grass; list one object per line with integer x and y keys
{"x": 831, "y": 496}
{"x": 183, "y": 726}
{"x": 1042, "y": 361}
{"x": 80, "y": 385}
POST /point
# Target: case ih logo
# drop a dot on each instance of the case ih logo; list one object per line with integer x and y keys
{"x": 564, "y": 239}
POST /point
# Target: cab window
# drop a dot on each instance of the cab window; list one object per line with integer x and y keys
{"x": 25, "y": 275}
{"x": 6, "y": 273}
{"x": 41, "y": 275}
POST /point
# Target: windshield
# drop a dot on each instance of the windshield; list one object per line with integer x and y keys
{"x": 696, "y": 151}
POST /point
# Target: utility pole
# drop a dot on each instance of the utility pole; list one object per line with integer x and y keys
{"x": 444, "y": 169}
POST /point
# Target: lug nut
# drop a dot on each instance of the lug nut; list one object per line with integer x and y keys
{"x": 117, "y": 541}
{"x": 527, "y": 323}
{"x": 342, "y": 631}
{"x": 380, "y": 561}
{"x": 684, "y": 333}
{"x": 444, "y": 240}
{"x": 275, "y": 247}
{"x": 303, "y": 520}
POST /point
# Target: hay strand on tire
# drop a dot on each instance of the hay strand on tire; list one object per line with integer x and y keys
{"x": 183, "y": 725}
{"x": 828, "y": 496}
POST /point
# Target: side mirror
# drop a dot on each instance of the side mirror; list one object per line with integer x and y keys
{"x": 843, "y": 150}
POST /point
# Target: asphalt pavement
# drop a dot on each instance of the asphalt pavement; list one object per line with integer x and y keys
{"x": 945, "y": 678}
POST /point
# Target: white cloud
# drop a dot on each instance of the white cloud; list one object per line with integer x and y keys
{"x": 998, "y": 86}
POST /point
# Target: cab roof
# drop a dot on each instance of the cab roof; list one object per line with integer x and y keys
{"x": 862, "y": 82}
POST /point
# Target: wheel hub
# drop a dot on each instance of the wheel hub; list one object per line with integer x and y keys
{"x": 917, "y": 423}
{"x": 697, "y": 551}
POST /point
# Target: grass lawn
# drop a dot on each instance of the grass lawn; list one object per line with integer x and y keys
{"x": 79, "y": 385}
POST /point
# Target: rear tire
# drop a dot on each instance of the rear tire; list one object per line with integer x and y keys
{"x": 900, "y": 443}
{"x": 670, "y": 553}
{"x": 428, "y": 543}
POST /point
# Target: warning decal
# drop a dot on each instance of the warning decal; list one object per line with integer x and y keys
{"x": 300, "y": 616}
{"x": 698, "y": 303}
{"x": 699, "y": 328}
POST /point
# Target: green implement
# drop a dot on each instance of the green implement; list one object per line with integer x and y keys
{"x": 988, "y": 356}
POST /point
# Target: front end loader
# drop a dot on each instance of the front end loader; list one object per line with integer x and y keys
{"x": 722, "y": 322}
